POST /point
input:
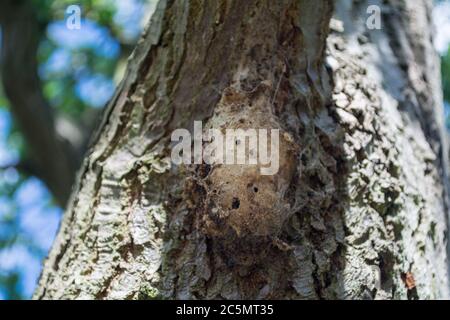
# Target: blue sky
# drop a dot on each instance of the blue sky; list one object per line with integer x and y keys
{"x": 441, "y": 18}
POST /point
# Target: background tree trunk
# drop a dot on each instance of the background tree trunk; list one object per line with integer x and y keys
{"x": 358, "y": 208}
{"x": 54, "y": 157}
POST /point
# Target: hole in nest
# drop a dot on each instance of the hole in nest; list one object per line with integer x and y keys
{"x": 255, "y": 189}
{"x": 235, "y": 203}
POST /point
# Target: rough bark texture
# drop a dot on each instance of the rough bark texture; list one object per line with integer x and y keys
{"x": 358, "y": 205}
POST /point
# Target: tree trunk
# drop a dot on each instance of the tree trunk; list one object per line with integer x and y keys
{"x": 358, "y": 208}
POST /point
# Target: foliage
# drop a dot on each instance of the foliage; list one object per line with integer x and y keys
{"x": 445, "y": 68}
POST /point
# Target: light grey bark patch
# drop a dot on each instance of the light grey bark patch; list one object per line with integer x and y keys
{"x": 398, "y": 176}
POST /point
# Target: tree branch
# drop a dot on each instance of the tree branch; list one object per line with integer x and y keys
{"x": 53, "y": 156}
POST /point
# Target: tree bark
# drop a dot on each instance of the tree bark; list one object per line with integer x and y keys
{"x": 358, "y": 208}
